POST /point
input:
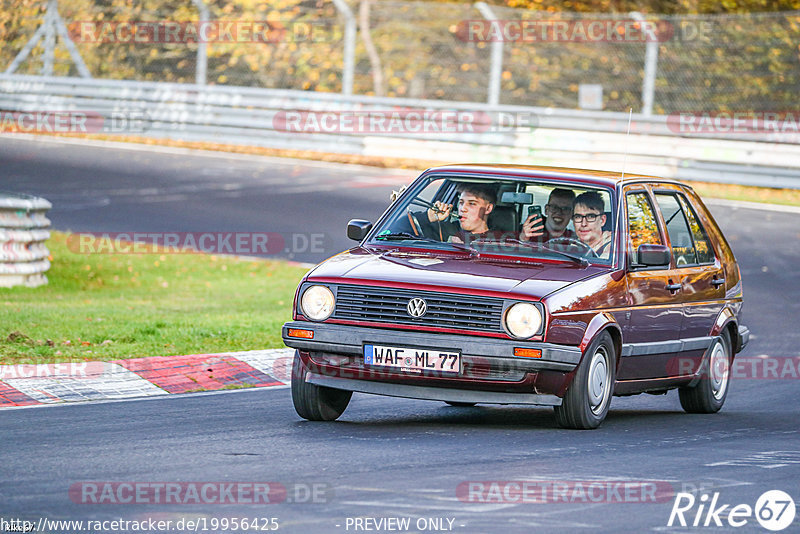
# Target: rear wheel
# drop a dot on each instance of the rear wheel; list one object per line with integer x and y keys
{"x": 708, "y": 395}
{"x": 586, "y": 403}
{"x": 312, "y": 402}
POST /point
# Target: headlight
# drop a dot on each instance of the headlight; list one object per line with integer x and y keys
{"x": 523, "y": 320}
{"x": 317, "y": 303}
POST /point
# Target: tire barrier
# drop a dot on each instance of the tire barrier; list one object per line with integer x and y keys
{"x": 24, "y": 257}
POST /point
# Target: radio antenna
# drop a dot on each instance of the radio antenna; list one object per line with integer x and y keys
{"x": 627, "y": 138}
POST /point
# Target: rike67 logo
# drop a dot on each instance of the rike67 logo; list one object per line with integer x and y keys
{"x": 774, "y": 510}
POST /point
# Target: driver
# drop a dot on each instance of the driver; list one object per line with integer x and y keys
{"x": 475, "y": 203}
{"x": 589, "y": 218}
{"x": 558, "y": 212}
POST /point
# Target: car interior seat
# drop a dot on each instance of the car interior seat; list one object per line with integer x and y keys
{"x": 503, "y": 219}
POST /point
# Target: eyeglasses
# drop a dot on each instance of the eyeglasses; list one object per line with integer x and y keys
{"x": 558, "y": 209}
{"x": 590, "y": 217}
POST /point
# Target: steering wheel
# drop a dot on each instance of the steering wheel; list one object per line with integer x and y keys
{"x": 569, "y": 241}
{"x": 415, "y": 225}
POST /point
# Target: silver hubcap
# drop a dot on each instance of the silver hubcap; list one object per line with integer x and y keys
{"x": 720, "y": 371}
{"x": 599, "y": 381}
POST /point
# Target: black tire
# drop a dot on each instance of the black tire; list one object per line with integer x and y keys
{"x": 709, "y": 394}
{"x": 586, "y": 402}
{"x": 315, "y": 403}
{"x": 461, "y": 404}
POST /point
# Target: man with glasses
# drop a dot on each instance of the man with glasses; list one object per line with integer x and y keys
{"x": 589, "y": 218}
{"x": 558, "y": 212}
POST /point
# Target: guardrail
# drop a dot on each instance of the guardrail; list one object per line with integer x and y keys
{"x": 475, "y": 132}
{"x": 23, "y": 232}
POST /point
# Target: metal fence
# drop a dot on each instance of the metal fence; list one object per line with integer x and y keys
{"x": 425, "y": 50}
{"x": 507, "y": 134}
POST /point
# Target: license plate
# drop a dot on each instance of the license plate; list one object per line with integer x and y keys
{"x": 413, "y": 360}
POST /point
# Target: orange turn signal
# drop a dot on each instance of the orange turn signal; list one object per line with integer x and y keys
{"x": 528, "y": 353}
{"x": 305, "y": 334}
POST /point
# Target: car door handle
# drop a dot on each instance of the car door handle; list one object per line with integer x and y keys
{"x": 716, "y": 282}
{"x": 674, "y": 287}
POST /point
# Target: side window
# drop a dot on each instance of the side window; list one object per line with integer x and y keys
{"x": 679, "y": 235}
{"x": 705, "y": 253}
{"x": 642, "y": 226}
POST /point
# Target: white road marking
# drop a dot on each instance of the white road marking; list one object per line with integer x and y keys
{"x": 115, "y": 382}
{"x": 764, "y": 460}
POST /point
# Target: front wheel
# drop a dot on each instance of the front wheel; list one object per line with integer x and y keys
{"x": 312, "y": 402}
{"x": 708, "y": 395}
{"x": 586, "y": 403}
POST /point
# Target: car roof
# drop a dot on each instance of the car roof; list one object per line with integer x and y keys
{"x": 585, "y": 176}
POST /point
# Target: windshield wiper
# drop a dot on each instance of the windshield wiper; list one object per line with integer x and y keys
{"x": 577, "y": 259}
{"x": 404, "y": 236}
{"x": 399, "y": 236}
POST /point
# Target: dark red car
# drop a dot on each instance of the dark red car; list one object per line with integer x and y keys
{"x": 523, "y": 285}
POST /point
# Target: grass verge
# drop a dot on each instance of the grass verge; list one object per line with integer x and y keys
{"x": 112, "y": 306}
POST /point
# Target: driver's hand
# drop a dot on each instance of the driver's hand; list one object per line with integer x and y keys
{"x": 439, "y": 212}
{"x": 533, "y": 227}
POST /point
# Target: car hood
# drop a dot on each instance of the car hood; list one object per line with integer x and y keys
{"x": 524, "y": 278}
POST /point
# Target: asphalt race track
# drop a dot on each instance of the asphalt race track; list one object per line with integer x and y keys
{"x": 103, "y": 190}
{"x": 388, "y": 458}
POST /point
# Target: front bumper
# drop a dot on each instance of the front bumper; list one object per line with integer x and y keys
{"x": 490, "y": 371}
{"x": 349, "y": 340}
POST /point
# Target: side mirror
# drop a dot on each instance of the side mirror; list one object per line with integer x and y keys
{"x": 653, "y": 255}
{"x": 357, "y": 229}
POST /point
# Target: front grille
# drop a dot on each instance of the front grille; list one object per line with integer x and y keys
{"x": 443, "y": 310}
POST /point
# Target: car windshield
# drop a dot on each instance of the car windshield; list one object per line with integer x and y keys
{"x": 534, "y": 218}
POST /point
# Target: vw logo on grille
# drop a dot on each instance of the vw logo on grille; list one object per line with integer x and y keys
{"x": 417, "y": 307}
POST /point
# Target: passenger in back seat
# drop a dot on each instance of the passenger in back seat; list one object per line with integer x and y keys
{"x": 558, "y": 212}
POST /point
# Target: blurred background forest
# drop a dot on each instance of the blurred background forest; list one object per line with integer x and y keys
{"x": 723, "y": 55}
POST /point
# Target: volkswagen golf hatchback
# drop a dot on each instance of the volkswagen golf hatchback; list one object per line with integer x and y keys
{"x": 523, "y": 285}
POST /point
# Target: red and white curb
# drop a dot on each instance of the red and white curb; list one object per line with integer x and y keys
{"x": 27, "y": 385}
